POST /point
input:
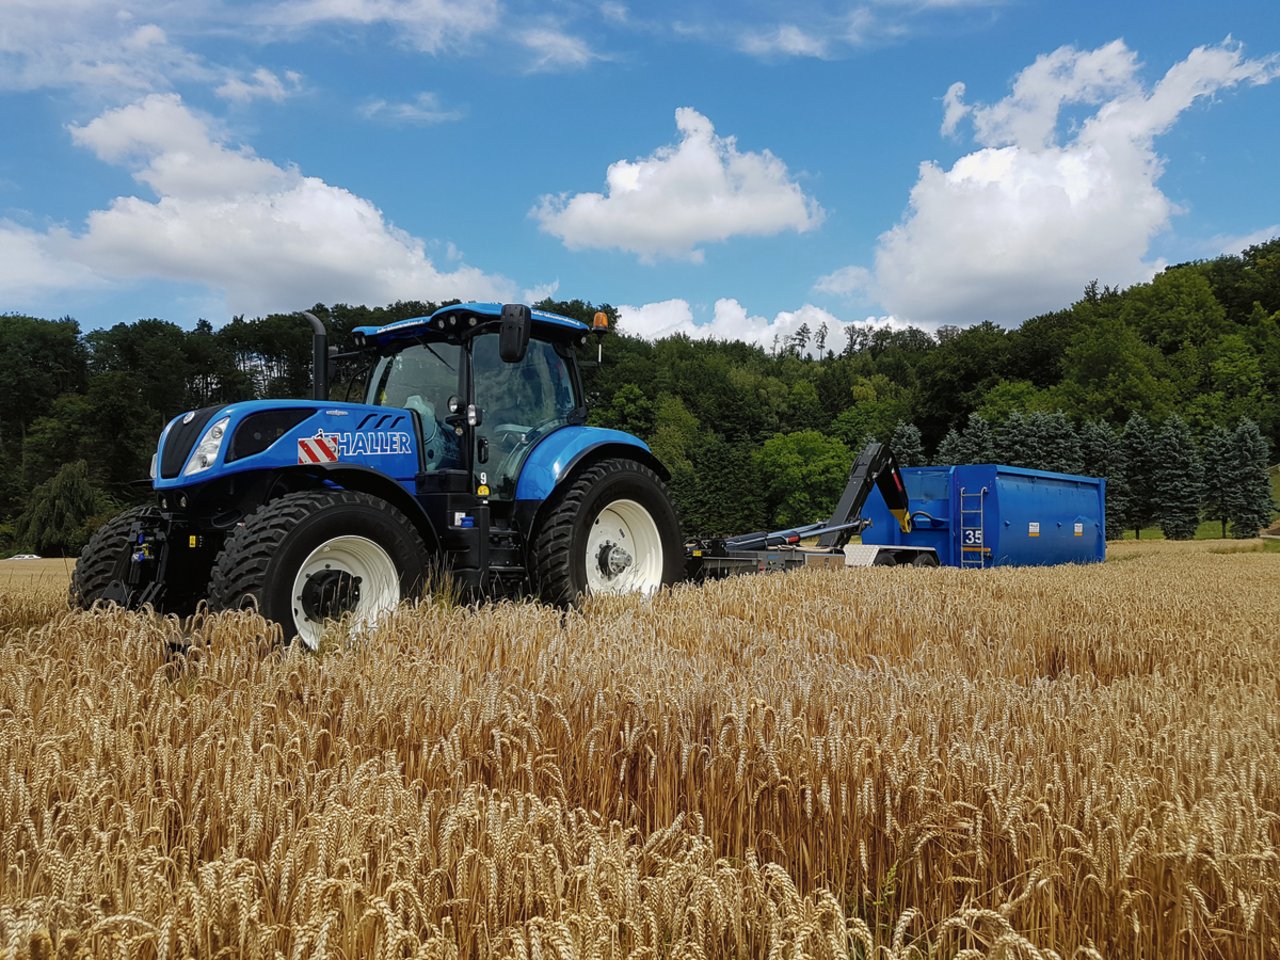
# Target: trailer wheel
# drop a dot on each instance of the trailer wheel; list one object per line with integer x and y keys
{"x": 96, "y": 568}
{"x": 924, "y": 560}
{"x": 884, "y": 560}
{"x": 310, "y": 557}
{"x": 613, "y": 530}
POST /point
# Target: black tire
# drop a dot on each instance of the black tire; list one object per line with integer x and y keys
{"x": 559, "y": 553}
{"x": 96, "y": 567}
{"x": 884, "y": 560}
{"x": 262, "y": 557}
{"x": 924, "y": 560}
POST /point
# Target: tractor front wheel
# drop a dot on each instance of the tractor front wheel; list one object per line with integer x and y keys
{"x": 612, "y": 530}
{"x": 96, "y": 568}
{"x": 315, "y": 556}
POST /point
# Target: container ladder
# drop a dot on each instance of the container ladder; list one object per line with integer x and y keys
{"x": 973, "y": 547}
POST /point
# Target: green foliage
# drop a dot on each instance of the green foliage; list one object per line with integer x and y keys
{"x": 1201, "y": 339}
{"x": 629, "y": 410}
{"x": 1175, "y": 309}
{"x": 876, "y": 406}
{"x": 676, "y": 434}
{"x": 1018, "y": 443}
{"x": 1014, "y": 396}
{"x": 726, "y": 492}
{"x": 1063, "y": 451}
{"x": 803, "y": 474}
{"x": 58, "y": 517}
{"x": 1110, "y": 373}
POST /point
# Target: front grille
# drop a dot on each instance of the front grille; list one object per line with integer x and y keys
{"x": 182, "y": 440}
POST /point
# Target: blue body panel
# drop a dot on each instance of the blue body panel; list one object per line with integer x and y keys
{"x": 333, "y": 435}
{"x": 443, "y": 318}
{"x": 1028, "y": 518}
{"x": 547, "y": 462}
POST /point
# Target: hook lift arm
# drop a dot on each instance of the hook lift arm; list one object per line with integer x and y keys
{"x": 875, "y": 466}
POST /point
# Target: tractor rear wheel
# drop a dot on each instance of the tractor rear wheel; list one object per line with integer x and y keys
{"x": 96, "y": 568}
{"x": 612, "y": 530}
{"x": 315, "y": 556}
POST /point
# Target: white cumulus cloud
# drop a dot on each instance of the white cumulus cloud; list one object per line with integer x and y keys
{"x": 700, "y": 190}
{"x": 265, "y": 236}
{"x": 730, "y": 320}
{"x": 1019, "y": 225}
{"x": 33, "y": 262}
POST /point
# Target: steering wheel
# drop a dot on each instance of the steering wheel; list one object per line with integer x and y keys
{"x": 515, "y": 430}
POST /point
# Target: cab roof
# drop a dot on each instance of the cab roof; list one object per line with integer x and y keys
{"x": 449, "y": 319}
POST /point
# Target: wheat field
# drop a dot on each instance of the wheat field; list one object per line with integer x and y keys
{"x": 875, "y": 763}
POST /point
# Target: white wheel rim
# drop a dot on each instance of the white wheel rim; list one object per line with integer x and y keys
{"x": 355, "y": 557}
{"x": 624, "y": 550}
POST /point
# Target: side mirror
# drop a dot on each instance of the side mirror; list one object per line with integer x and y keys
{"x": 513, "y": 337}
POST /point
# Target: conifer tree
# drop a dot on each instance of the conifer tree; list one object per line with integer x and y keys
{"x": 1222, "y": 494}
{"x": 1017, "y": 442}
{"x": 907, "y": 446}
{"x": 1256, "y": 507}
{"x": 979, "y": 441}
{"x": 1139, "y": 441}
{"x": 950, "y": 450}
{"x": 1102, "y": 455}
{"x": 1178, "y": 480}
{"x": 1059, "y": 442}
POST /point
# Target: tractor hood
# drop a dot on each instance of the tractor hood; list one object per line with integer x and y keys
{"x": 213, "y": 442}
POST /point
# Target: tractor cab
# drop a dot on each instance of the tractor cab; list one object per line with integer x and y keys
{"x": 484, "y": 383}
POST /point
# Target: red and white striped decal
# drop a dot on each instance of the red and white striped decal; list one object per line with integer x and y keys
{"x": 317, "y": 449}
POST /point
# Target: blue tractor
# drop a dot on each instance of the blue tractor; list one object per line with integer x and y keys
{"x": 468, "y": 457}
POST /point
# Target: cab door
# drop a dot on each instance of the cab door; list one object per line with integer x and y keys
{"x": 519, "y": 403}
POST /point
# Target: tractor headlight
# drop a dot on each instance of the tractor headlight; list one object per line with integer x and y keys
{"x": 207, "y": 450}
{"x": 153, "y": 466}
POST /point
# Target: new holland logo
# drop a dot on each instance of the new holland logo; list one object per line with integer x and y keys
{"x": 331, "y": 447}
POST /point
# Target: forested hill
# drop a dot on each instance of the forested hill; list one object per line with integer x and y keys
{"x": 753, "y": 436}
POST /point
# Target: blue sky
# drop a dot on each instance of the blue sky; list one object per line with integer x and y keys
{"x": 726, "y": 169}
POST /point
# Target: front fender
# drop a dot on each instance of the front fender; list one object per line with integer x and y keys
{"x": 557, "y": 456}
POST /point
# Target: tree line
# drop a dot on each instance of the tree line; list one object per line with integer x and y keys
{"x": 1169, "y": 389}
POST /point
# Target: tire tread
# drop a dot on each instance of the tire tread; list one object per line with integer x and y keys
{"x": 240, "y": 571}
{"x": 552, "y": 553}
{"x": 97, "y": 562}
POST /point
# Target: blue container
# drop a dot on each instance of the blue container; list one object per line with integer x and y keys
{"x": 984, "y": 515}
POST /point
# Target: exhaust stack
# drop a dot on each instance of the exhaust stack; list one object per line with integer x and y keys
{"x": 319, "y": 357}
